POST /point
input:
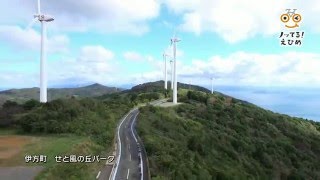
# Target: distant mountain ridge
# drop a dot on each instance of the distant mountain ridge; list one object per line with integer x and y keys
{"x": 21, "y": 95}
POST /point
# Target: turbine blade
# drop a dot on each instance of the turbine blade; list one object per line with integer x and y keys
{"x": 39, "y": 5}
{"x": 32, "y": 23}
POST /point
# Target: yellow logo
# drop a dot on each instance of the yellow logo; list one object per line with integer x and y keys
{"x": 291, "y": 18}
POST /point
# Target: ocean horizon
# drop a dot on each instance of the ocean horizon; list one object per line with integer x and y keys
{"x": 297, "y": 102}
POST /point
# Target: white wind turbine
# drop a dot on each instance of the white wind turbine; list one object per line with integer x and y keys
{"x": 171, "y": 64}
{"x": 43, "y": 73}
{"x": 174, "y": 41}
{"x": 165, "y": 55}
{"x": 211, "y": 85}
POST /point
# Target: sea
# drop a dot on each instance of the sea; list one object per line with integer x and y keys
{"x": 297, "y": 102}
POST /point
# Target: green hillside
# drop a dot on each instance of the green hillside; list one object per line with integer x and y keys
{"x": 22, "y": 95}
{"x": 90, "y": 121}
{"x": 159, "y": 86}
{"x": 207, "y": 137}
{"x": 219, "y": 137}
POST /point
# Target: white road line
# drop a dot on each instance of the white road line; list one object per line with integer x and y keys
{"x": 128, "y": 173}
{"x": 119, "y": 144}
{"x": 141, "y": 167}
{"x": 134, "y": 136}
{"x": 97, "y": 177}
{"x": 141, "y": 162}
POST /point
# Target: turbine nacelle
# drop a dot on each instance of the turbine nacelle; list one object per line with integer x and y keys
{"x": 165, "y": 55}
{"x": 46, "y": 18}
{"x": 174, "y": 40}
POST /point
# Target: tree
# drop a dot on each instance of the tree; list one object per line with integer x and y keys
{"x": 31, "y": 104}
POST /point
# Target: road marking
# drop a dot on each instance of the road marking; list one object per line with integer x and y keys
{"x": 134, "y": 136}
{"x": 97, "y": 177}
{"x": 141, "y": 167}
{"x": 141, "y": 162}
{"x": 119, "y": 140}
{"x": 128, "y": 173}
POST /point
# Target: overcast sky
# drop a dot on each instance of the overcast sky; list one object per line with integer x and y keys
{"x": 117, "y": 42}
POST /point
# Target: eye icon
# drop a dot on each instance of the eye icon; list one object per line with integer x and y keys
{"x": 284, "y": 18}
{"x": 291, "y": 19}
{"x": 296, "y": 18}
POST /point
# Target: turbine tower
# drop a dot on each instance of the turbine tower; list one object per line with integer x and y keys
{"x": 171, "y": 64}
{"x": 174, "y": 41}
{"x": 165, "y": 71}
{"x": 43, "y": 19}
{"x": 211, "y": 85}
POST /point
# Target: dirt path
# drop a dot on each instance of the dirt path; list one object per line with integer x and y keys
{"x": 10, "y": 147}
{"x": 19, "y": 173}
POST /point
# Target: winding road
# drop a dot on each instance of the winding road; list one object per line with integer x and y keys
{"x": 132, "y": 162}
{"x": 131, "y": 158}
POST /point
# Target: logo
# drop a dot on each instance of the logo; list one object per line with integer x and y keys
{"x": 291, "y": 18}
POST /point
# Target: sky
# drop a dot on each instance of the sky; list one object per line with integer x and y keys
{"x": 121, "y": 43}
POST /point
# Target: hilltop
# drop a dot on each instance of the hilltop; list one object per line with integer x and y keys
{"x": 22, "y": 95}
{"x": 158, "y": 86}
{"x": 220, "y": 137}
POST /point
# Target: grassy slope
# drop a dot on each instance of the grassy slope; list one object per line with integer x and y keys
{"x": 93, "y": 118}
{"x": 52, "y": 145}
{"x": 70, "y": 146}
{"x": 91, "y": 124}
{"x": 217, "y": 137}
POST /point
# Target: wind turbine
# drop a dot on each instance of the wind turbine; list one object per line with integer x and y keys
{"x": 43, "y": 19}
{"x": 174, "y": 41}
{"x": 171, "y": 64}
{"x": 211, "y": 85}
{"x": 165, "y": 55}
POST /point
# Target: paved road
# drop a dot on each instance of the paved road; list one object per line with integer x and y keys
{"x": 19, "y": 173}
{"x": 132, "y": 163}
{"x": 105, "y": 172}
{"x": 158, "y": 102}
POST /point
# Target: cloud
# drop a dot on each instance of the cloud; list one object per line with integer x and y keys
{"x": 240, "y": 68}
{"x": 146, "y": 77}
{"x": 98, "y": 64}
{"x": 95, "y": 54}
{"x": 237, "y": 20}
{"x": 137, "y": 57}
{"x": 17, "y": 80}
{"x": 133, "y": 56}
{"x": 94, "y": 63}
{"x": 29, "y": 39}
{"x": 82, "y": 15}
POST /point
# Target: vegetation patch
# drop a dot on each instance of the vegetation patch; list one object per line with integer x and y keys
{"x": 219, "y": 137}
